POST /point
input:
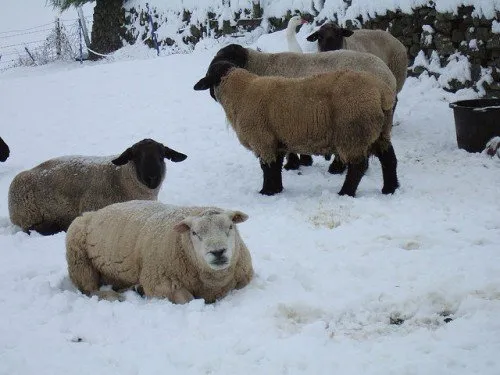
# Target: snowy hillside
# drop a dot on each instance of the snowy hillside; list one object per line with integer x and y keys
{"x": 391, "y": 285}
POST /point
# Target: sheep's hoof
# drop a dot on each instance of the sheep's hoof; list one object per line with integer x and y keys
{"x": 389, "y": 189}
{"x": 306, "y": 160}
{"x": 292, "y": 163}
{"x": 345, "y": 192}
{"x": 337, "y": 167}
{"x": 271, "y": 191}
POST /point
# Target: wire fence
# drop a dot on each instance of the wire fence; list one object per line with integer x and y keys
{"x": 38, "y": 45}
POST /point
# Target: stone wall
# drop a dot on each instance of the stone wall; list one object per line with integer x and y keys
{"x": 433, "y": 39}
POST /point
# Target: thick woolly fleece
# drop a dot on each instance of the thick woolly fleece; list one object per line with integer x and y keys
{"x": 382, "y": 44}
{"x": 131, "y": 243}
{"x": 342, "y": 112}
{"x": 290, "y": 64}
{"x": 49, "y": 196}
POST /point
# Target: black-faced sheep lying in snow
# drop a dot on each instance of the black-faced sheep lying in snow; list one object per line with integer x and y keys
{"x": 288, "y": 64}
{"x": 49, "y": 196}
{"x": 343, "y": 112}
{"x": 4, "y": 150}
{"x": 173, "y": 252}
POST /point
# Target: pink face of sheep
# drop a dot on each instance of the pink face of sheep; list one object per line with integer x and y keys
{"x": 213, "y": 236}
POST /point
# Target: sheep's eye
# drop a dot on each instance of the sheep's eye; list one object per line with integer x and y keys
{"x": 194, "y": 233}
{"x": 231, "y": 227}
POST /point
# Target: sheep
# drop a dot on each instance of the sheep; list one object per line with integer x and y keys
{"x": 289, "y": 64}
{"x": 4, "y": 150}
{"x": 174, "y": 252}
{"x": 381, "y": 43}
{"x": 348, "y": 113}
{"x": 49, "y": 196}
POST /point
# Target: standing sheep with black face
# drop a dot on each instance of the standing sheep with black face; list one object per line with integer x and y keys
{"x": 381, "y": 43}
{"x": 288, "y": 64}
{"x": 49, "y": 196}
{"x": 346, "y": 112}
{"x": 4, "y": 150}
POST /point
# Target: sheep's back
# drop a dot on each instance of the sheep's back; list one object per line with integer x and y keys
{"x": 310, "y": 114}
{"x": 385, "y": 46}
{"x": 293, "y": 65}
{"x": 127, "y": 235}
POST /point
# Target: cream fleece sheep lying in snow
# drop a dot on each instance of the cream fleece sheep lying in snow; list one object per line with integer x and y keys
{"x": 343, "y": 112}
{"x": 381, "y": 43}
{"x": 49, "y": 196}
{"x": 288, "y": 64}
{"x": 173, "y": 252}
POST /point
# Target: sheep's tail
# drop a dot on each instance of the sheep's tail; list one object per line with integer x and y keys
{"x": 80, "y": 268}
{"x": 388, "y": 97}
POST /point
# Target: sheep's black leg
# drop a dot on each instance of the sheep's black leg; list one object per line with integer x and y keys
{"x": 395, "y": 104}
{"x": 306, "y": 160}
{"x": 336, "y": 167}
{"x": 272, "y": 176}
{"x": 293, "y": 161}
{"x": 46, "y": 229}
{"x": 355, "y": 172}
{"x": 389, "y": 164}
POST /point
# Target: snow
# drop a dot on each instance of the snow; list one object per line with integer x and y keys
{"x": 495, "y": 27}
{"x": 331, "y": 272}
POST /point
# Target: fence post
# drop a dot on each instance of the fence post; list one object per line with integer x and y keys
{"x": 30, "y": 55}
{"x": 153, "y": 31}
{"x": 58, "y": 38}
{"x": 80, "y": 39}
{"x": 81, "y": 17}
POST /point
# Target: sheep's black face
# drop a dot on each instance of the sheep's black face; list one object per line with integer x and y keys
{"x": 330, "y": 37}
{"x": 147, "y": 156}
{"x": 233, "y": 53}
{"x": 216, "y": 71}
{"x": 4, "y": 150}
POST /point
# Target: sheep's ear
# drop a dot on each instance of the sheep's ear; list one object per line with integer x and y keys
{"x": 238, "y": 216}
{"x": 313, "y": 37}
{"x": 346, "y": 33}
{"x": 203, "y": 84}
{"x": 174, "y": 155}
{"x": 183, "y": 226}
{"x": 123, "y": 158}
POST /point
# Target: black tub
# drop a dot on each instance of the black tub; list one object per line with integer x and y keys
{"x": 476, "y": 122}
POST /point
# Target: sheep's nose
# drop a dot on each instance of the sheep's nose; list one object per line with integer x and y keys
{"x": 218, "y": 253}
{"x": 152, "y": 180}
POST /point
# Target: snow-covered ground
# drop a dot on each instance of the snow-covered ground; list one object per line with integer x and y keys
{"x": 332, "y": 273}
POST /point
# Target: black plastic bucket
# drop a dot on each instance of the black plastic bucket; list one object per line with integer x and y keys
{"x": 476, "y": 122}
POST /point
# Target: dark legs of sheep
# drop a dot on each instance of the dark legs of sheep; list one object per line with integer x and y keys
{"x": 272, "y": 176}
{"x": 355, "y": 172}
{"x": 294, "y": 161}
{"x": 337, "y": 167}
{"x": 389, "y": 165}
{"x": 46, "y": 229}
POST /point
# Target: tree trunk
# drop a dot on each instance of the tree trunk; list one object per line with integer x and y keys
{"x": 109, "y": 20}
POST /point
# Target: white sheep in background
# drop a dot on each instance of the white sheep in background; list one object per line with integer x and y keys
{"x": 49, "y": 196}
{"x": 347, "y": 112}
{"x": 173, "y": 252}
